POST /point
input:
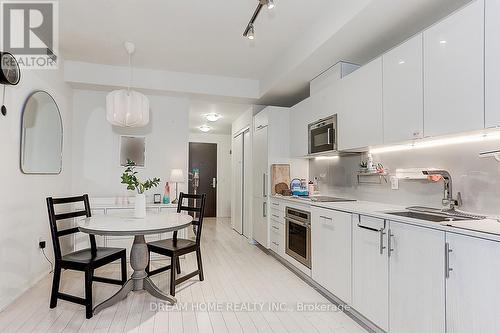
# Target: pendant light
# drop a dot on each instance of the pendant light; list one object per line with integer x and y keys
{"x": 125, "y": 107}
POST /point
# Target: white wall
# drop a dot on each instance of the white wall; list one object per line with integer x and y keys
{"x": 96, "y": 168}
{"x": 478, "y": 179}
{"x": 23, "y": 212}
{"x": 223, "y": 168}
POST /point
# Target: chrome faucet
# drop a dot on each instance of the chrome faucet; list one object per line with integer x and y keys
{"x": 448, "y": 199}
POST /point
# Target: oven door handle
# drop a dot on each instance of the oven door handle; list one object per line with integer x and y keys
{"x": 303, "y": 224}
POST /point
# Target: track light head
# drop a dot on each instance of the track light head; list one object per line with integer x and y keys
{"x": 270, "y": 4}
{"x": 251, "y": 32}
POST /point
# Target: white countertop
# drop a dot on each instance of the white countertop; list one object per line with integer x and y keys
{"x": 488, "y": 228}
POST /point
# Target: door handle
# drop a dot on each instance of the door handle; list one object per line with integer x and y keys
{"x": 329, "y": 131}
{"x": 264, "y": 210}
{"x": 214, "y": 182}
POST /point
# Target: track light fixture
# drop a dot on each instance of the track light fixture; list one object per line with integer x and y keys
{"x": 250, "y": 29}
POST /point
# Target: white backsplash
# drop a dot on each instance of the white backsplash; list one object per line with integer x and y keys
{"x": 478, "y": 179}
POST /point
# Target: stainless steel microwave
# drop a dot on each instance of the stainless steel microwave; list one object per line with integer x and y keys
{"x": 323, "y": 135}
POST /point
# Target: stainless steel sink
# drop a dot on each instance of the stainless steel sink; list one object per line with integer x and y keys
{"x": 428, "y": 217}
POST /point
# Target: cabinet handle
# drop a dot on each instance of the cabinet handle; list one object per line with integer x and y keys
{"x": 264, "y": 191}
{"x": 274, "y": 227}
{"x": 447, "y": 268}
{"x": 389, "y": 243}
{"x": 382, "y": 247}
{"x": 264, "y": 209}
{"x": 275, "y": 204}
{"x": 276, "y": 216}
{"x": 275, "y": 243}
{"x": 326, "y": 218}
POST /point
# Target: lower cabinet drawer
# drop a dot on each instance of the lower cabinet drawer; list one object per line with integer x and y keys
{"x": 278, "y": 242}
{"x": 277, "y": 227}
{"x": 277, "y": 215}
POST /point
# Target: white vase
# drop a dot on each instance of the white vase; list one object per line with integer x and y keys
{"x": 140, "y": 206}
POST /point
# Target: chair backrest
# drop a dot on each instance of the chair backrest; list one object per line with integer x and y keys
{"x": 53, "y": 218}
{"x": 195, "y": 207}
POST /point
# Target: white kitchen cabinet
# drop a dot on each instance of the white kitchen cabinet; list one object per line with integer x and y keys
{"x": 403, "y": 92}
{"x": 492, "y": 63}
{"x": 416, "y": 279}
{"x": 370, "y": 289}
{"x": 331, "y": 251}
{"x": 260, "y": 159}
{"x": 261, "y": 120}
{"x": 454, "y": 72}
{"x": 473, "y": 288}
{"x": 260, "y": 186}
{"x": 299, "y": 119}
{"x": 360, "y": 115}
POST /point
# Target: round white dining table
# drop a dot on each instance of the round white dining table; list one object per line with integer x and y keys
{"x": 139, "y": 255}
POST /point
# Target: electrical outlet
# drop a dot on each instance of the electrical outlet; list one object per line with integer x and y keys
{"x": 41, "y": 243}
{"x": 394, "y": 183}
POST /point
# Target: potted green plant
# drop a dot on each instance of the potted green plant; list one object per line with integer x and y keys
{"x": 129, "y": 178}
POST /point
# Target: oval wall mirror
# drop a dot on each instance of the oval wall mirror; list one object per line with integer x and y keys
{"x": 41, "y": 135}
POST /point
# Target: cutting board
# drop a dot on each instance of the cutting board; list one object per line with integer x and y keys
{"x": 280, "y": 173}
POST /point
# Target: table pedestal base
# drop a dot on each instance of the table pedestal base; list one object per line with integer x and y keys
{"x": 139, "y": 258}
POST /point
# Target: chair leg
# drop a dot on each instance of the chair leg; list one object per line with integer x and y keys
{"x": 178, "y": 266}
{"x": 172, "y": 276}
{"x": 200, "y": 266}
{"x": 56, "y": 279}
{"x": 124, "y": 268}
{"x": 88, "y": 293}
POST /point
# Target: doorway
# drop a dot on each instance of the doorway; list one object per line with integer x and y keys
{"x": 203, "y": 157}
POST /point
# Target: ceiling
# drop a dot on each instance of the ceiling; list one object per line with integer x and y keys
{"x": 229, "y": 113}
{"x": 195, "y": 36}
{"x": 294, "y": 43}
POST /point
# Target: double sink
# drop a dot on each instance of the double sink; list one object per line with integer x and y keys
{"x": 435, "y": 215}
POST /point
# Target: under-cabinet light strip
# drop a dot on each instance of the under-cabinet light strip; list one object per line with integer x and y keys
{"x": 429, "y": 143}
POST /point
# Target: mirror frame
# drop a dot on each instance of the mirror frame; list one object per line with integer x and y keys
{"x": 23, "y": 134}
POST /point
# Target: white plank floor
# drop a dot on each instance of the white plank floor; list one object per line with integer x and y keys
{"x": 238, "y": 276}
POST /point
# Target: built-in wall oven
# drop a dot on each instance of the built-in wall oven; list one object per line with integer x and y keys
{"x": 323, "y": 135}
{"x": 298, "y": 235}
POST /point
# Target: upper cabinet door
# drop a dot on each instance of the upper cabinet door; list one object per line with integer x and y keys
{"x": 360, "y": 119}
{"x": 403, "y": 92}
{"x": 299, "y": 119}
{"x": 454, "y": 73}
{"x": 492, "y": 65}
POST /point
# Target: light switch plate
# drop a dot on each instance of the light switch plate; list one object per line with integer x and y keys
{"x": 394, "y": 183}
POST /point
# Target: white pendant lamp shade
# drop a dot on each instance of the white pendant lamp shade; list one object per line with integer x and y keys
{"x": 126, "y": 108}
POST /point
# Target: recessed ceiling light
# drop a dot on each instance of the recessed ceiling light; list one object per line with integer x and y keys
{"x": 213, "y": 116}
{"x": 204, "y": 128}
{"x": 443, "y": 41}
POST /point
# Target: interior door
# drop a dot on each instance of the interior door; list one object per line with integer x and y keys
{"x": 203, "y": 156}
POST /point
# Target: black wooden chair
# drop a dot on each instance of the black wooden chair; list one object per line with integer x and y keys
{"x": 86, "y": 260}
{"x": 176, "y": 247}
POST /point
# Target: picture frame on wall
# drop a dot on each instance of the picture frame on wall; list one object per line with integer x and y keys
{"x": 133, "y": 148}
